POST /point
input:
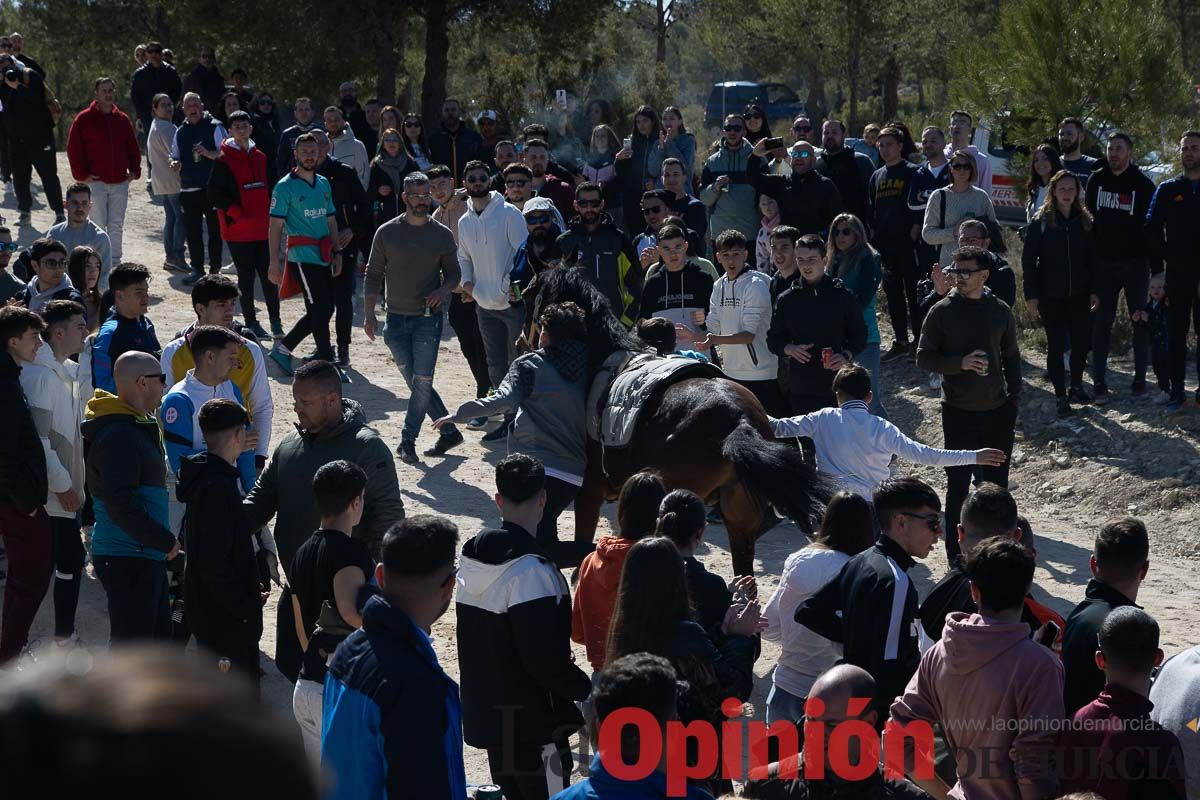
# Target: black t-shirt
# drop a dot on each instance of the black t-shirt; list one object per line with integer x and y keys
{"x": 311, "y": 578}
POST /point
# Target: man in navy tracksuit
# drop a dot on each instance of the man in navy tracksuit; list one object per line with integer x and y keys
{"x": 392, "y": 722}
{"x": 870, "y": 608}
{"x": 1173, "y": 234}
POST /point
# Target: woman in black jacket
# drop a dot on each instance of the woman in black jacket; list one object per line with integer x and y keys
{"x": 653, "y": 614}
{"x": 387, "y": 178}
{"x": 1059, "y": 260}
{"x": 266, "y": 130}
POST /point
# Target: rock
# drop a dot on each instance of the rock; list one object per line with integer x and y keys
{"x": 1126, "y": 418}
{"x": 1133, "y": 508}
{"x": 1171, "y": 498}
{"x": 1170, "y": 483}
{"x": 1019, "y": 457}
{"x": 1065, "y": 491}
{"x": 1062, "y": 461}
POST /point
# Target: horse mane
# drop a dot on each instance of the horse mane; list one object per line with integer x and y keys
{"x": 605, "y": 333}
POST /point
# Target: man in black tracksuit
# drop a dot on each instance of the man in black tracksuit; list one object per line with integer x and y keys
{"x": 354, "y": 228}
{"x": 519, "y": 682}
{"x": 850, "y": 171}
{"x": 1173, "y": 234}
{"x": 808, "y": 201}
{"x": 896, "y": 229}
{"x": 871, "y": 606}
{"x": 30, "y": 133}
{"x": 970, "y": 339}
{"x": 1118, "y": 195}
{"x": 594, "y": 244}
{"x": 816, "y": 313}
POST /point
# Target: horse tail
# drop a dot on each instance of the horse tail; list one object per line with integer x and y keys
{"x": 779, "y": 473}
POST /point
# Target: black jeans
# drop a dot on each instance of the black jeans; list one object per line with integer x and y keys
{"x": 974, "y": 430}
{"x": 1063, "y": 317}
{"x": 1182, "y": 312}
{"x": 1133, "y": 276}
{"x": 319, "y": 292}
{"x": 137, "y": 597}
{"x": 197, "y": 211}
{"x": 526, "y": 772}
{"x": 900, "y": 277}
{"x": 343, "y": 296}
{"x": 252, "y": 259}
{"x": 569, "y": 553}
{"x": 25, "y": 157}
{"x": 69, "y": 556}
{"x": 466, "y": 327}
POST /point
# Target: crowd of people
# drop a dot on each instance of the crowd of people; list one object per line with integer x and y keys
{"x": 152, "y": 458}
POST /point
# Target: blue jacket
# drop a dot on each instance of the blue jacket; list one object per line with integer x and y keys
{"x": 392, "y": 725}
{"x": 118, "y": 335}
{"x": 599, "y": 785}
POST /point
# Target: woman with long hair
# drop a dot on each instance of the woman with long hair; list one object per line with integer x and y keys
{"x": 639, "y": 166}
{"x": 757, "y": 125}
{"x": 851, "y": 259}
{"x": 600, "y": 572}
{"x": 600, "y": 166}
{"x": 679, "y": 142}
{"x": 653, "y": 614}
{"x": 415, "y": 142}
{"x": 847, "y": 529}
{"x": 1059, "y": 261}
{"x": 388, "y": 169}
{"x": 1044, "y": 165}
{"x": 599, "y": 112}
{"x": 230, "y": 102}
{"x": 950, "y": 205}
{"x": 83, "y": 268}
{"x": 390, "y": 117}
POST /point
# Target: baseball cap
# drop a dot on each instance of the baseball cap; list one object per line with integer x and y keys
{"x": 535, "y": 204}
{"x": 487, "y": 114}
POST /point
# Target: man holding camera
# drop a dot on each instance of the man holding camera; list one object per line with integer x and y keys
{"x": 30, "y": 130}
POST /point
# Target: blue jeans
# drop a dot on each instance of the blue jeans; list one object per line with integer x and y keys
{"x": 413, "y": 341}
{"x": 869, "y": 358}
{"x": 174, "y": 234}
{"x": 784, "y": 706}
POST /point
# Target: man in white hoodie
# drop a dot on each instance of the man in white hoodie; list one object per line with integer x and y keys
{"x": 489, "y": 234}
{"x": 51, "y": 388}
{"x": 738, "y": 320}
{"x": 345, "y": 148}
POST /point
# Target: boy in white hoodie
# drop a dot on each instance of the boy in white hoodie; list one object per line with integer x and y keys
{"x": 51, "y": 388}
{"x": 738, "y": 320}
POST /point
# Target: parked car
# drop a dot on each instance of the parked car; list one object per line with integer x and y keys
{"x": 731, "y": 97}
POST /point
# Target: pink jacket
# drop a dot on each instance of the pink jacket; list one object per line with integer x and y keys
{"x": 980, "y": 672}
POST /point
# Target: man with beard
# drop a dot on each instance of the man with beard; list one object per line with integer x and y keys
{"x": 537, "y": 158}
{"x": 681, "y": 203}
{"x": 303, "y": 204}
{"x": 506, "y": 153}
{"x": 931, "y": 176}
{"x": 849, "y": 171}
{"x": 727, "y": 182}
{"x": 354, "y": 228}
{"x": 206, "y": 80}
{"x": 516, "y": 184}
{"x": 540, "y": 251}
{"x": 489, "y": 234}
{"x": 594, "y": 244}
{"x": 961, "y": 131}
{"x": 353, "y": 113}
{"x": 808, "y": 201}
{"x": 454, "y": 144}
{"x": 1070, "y": 144}
{"x": 415, "y": 256}
{"x": 370, "y": 136}
{"x": 345, "y": 146}
{"x": 152, "y": 78}
{"x": 302, "y": 110}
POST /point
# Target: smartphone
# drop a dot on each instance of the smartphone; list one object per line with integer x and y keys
{"x": 1049, "y": 634}
{"x": 627, "y": 142}
{"x": 560, "y": 97}
{"x": 774, "y": 142}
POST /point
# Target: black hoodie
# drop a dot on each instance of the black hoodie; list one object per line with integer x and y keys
{"x": 221, "y": 588}
{"x": 1119, "y": 204}
{"x": 22, "y": 460}
{"x": 519, "y": 683}
{"x": 824, "y": 314}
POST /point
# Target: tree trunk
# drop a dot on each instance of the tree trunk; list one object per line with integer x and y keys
{"x": 162, "y": 28}
{"x": 920, "y": 95}
{"x": 660, "y": 33}
{"x": 816, "y": 91}
{"x": 437, "y": 62}
{"x": 1184, "y": 55}
{"x": 384, "y": 39}
{"x": 891, "y": 89}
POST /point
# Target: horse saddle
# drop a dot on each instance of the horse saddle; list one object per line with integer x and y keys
{"x": 624, "y": 385}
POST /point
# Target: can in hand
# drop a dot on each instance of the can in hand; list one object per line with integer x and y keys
{"x": 516, "y": 291}
{"x": 428, "y": 309}
{"x": 488, "y": 791}
{"x": 223, "y": 664}
{"x": 196, "y": 156}
{"x": 826, "y": 357}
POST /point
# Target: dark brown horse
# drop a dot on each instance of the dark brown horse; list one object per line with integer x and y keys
{"x": 709, "y": 435}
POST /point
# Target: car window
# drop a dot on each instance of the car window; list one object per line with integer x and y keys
{"x": 778, "y": 93}
{"x": 736, "y": 97}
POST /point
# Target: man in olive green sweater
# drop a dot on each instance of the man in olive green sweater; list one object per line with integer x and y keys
{"x": 417, "y": 258}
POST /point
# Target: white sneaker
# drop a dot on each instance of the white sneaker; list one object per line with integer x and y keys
{"x": 935, "y": 381}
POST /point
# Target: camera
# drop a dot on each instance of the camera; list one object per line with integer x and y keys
{"x": 12, "y": 74}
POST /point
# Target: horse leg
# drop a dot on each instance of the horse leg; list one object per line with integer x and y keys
{"x": 587, "y": 507}
{"x": 743, "y": 515}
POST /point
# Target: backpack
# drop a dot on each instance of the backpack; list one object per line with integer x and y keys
{"x": 995, "y": 235}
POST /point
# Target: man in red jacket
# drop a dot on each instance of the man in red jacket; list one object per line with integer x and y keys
{"x": 103, "y": 151}
{"x": 241, "y": 192}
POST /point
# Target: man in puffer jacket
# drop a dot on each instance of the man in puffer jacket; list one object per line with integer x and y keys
{"x": 727, "y": 185}
{"x": 594, "y": 244}
{"x": 52, "y": 390}
{"x": 240, "y": 190}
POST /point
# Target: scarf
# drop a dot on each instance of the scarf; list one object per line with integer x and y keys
{"x": 394, "y": 167}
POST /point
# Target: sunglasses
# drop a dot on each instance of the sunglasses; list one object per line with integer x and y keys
{"x": 516, "y": 183}
{"x": 539, "y": 219}
{"x": 412, "y": 124}
{"x": 266, "y": 102}
{"x": 10, "y": 247}
{"x": 653, "y": 210}
{"x": 801, "y": 153}
{"x": 753, "y": 115}
{"x": 801, "y": 128}
{"x": 53, "y": 263}
{"x": 960, "y": 165}
{"x": 844, "y": 232}
{"x": 734, "y": 128}
{"x": 960, "y": 271}
{"x": 391, "y": 140}
{"x": 161, "y": 377}
{"x": 588, "y": 203}
{"x": 148, "y": 52}
{"x": 933, "y": 521}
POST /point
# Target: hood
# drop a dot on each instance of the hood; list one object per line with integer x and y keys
{"x": 576, "y": 224}
{"x": 201, "y": 468}
{"x": 9, "y": 368}
{"x": 569, "y": 358}
{"x": 347, "y": 134}
{"x": 95, "y": 106}
{"x": 972, "y": 642}
{"x": 800, "y": 285}
{"x": 353, "y": 418}
{"x": 107, "y": 409}
{"x": 45, "y": 358}
{"x": 230, "y": 144}
{"x": 1130, "y": 178}
{"x": 65, "y": 283}
{"x": 610, "y": 558}
{"x": 489, "y": 556}
{"x": 956, "y": 297}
